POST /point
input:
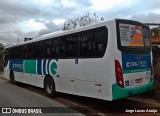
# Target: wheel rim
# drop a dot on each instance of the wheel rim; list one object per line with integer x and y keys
{"x": 49, "y": 87}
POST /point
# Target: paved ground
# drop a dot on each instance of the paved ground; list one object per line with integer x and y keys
{"x": 17, "y": 97}
{"x": 14, "y": 98}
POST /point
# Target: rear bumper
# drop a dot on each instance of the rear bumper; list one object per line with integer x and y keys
{"x": 118, "y": 92}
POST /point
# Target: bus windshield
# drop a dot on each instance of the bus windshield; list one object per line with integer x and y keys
{"x": 133, "y": 37}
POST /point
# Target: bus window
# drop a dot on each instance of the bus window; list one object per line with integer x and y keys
{"x": 35, "y": 50}
{"x": 100, "y": 42}
{"x": 48, "y": 48}
{"x": 18, "y": 52}
{"x": 25, "y": 51}
{"x": 29, "y": 51}
{"x": 11, "y": 53}
{"x": 63, "y": 47}
{"x": 72, "y": 46}
{"x": 40, "y": 53}
{"x": 38, "y": 50}
{"x": 86, "y": 41}
{"x": 133, "y": 37}
{"x": 14, "y": 53}
{"x": 55, "y": 49}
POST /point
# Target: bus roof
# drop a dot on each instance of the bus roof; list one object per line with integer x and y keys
{"x": 62, "y": 33}
{"x": 59, "y": 33}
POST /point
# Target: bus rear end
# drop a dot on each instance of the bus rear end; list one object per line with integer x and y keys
{"x": 133, "y": 70}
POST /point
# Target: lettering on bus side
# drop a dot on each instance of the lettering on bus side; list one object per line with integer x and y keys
{"x": 16, "y": 65}
{"x": 40, "y": 67}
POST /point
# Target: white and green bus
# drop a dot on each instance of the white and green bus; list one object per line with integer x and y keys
{"x": 108, "y": 60}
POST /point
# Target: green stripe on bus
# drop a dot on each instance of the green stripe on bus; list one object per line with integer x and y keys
{"x": 118, "y": 92}
{"x": 53, "y": 68}
{"x": 136, "y": 70}
{"x": 30, "y": 66}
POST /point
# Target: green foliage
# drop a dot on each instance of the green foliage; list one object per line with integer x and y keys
{"x": 1, "y": 54}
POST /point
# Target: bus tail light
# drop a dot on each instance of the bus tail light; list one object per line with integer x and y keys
{"x": 119, "y": 75}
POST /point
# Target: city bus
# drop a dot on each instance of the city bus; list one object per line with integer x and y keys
{"x": 108, "y": 60}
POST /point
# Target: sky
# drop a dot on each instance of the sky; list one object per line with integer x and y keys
{"x": 32, "y": 18}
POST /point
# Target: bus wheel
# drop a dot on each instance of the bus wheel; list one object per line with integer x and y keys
{"x": 49, "y": 87}
{"x": 12, "y": 81}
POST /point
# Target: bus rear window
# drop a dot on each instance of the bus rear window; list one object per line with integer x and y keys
{"x": 132, "y": 35}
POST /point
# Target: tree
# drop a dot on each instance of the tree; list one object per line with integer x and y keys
{"x": 82, "y": 21}
{"x": 1, "y": 50}
{"x": 1, "y": 56}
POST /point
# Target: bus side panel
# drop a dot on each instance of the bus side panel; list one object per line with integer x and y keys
{"x": 17, "y": 67}
{"x": 108, "y": 77}
{"x": 108, "y": 63}
{"x": 70, "y": 74}
{"x": 6, "y": 71}
{"x": 18, "y": 76}
{"x": 34, "y": 71}
{"x": 25, "y": 71}
{"x": 92, "y": 77}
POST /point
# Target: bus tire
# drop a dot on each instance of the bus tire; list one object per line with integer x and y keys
{"x": 49, "y": 87}
{"x": 11, "y": 77}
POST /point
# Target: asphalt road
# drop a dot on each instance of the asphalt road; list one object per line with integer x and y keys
{"x": 12, "y": 96}
{"x": 22, "y": 95}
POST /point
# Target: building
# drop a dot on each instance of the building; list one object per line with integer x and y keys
{"x": 155, "y": 39}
